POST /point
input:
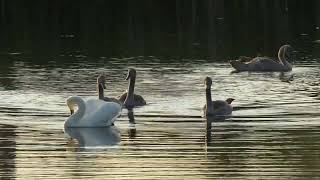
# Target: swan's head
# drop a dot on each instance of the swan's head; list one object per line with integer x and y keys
{"x": 102, "y": 80}
{"x": 286, "y": 52}
{"x": 72, "y": 102}
{"x": 229, "y": 100}
{"x": 131, "y": 73}
{"x": 208, "y": 82}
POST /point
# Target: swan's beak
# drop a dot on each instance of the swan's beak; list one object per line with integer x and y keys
{"x": 71, "y": 111}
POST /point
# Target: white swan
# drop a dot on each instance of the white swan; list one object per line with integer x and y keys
{"x": 88, "y": 138}
{"x": 281, "y": 64}
{"x": 91, "y": 113}
{"x": 215, "y": 108}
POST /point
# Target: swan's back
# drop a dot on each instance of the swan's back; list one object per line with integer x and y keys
{"x": 100, "y": 113}
{"x": 263, "y": 60}
{"x": 265, "y": 64}
{"x": 220, "y": 108}
{"x": 138, "y": 99}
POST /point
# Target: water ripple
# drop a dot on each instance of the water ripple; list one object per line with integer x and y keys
{"x": 272, "y": 133}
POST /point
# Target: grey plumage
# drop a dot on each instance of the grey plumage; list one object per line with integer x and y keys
{"x": 266, "y": 63}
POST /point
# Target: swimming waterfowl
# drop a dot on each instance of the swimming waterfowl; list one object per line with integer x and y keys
{"x": 215, "y": 108}
{"x": 91, "y": 113}
{"x": 281, "y": 64}
{"x": 101, "y": 85}
{"x": 128, "y": 98}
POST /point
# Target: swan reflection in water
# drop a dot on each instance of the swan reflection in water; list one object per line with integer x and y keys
{"x": 94, "y": 138}
{"x": 132, "y": 128}
{"x": 286, "y": 77}
{"x": 209, "y": 121}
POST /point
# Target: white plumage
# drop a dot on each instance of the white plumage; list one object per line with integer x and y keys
{"x": 91, "y": 113}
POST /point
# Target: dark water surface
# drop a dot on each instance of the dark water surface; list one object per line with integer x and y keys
{"x": 273, "y": 133}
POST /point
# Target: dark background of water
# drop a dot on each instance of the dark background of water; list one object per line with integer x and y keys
{"x": 180, "y": 28}
{"x": 54, "y": 49}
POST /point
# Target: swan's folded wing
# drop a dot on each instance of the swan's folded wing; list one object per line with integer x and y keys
{"x": 102, "y": 113}
{"x": 219, "y": 104}
{"x": 92, "y": 105}
{"x": 264, "y": 64}
{"x": 122, "y": 97}
{"x": 221, "y": 108}
{"x": 111, "y": 109}
{"x": 139, "y": 101}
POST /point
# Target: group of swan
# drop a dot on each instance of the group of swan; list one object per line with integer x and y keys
{"x": 103, "y": 111}
{"x": 128, "y": 99}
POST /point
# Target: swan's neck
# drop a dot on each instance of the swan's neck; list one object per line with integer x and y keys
{"x": 100, "y": 91}
{"x": 284, "y": 61}
{"x": 286, "y": 64}
{"x": 282, "y": 56}
{"x": 72, "y": 120}
{"x": 131, "y": 88}
{"x": 209, "y": 101}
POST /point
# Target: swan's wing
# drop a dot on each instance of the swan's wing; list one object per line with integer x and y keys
{"x": 265, "y": 64}
{"x": 100, "y": 113}
{"x": 90, "y": 115}
{"x": 109, "y": 112}
{"x": 111, "y": 99}
{"x": 221, "y": 107}
{"x": 263, "y": 60}
{"x": 92, "y": 105}
{"x": 122, "y": 97}
{"x": 218, "y": 103}
{"x": 138, "y": 100}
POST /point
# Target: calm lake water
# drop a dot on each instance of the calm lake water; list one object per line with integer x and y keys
{"x": 273, "y": 133}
